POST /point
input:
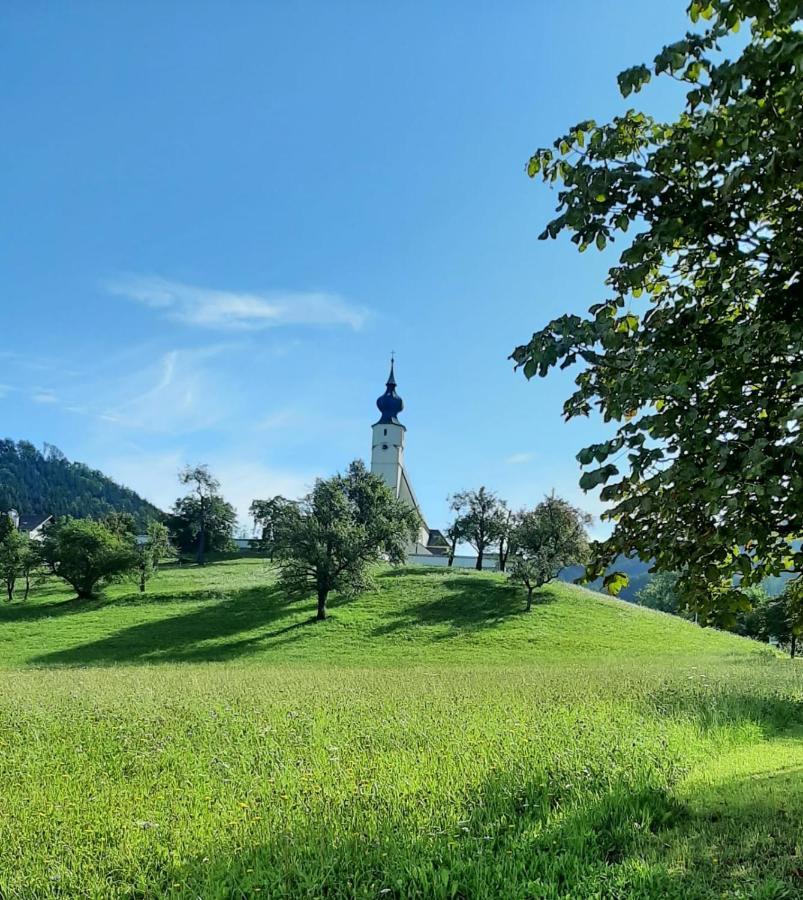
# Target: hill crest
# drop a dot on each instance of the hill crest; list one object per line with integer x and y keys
{"x": 234, "y": 611}
{"x": 46, "y": 482}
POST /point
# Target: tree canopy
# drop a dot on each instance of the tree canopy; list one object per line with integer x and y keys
{"x": 19, "y": 557}
{"x": 46, "y": 482}
{"x": 327, "y": 541}
{"x": 150, "y": 552}
{"x": 267, "y": 516}
{"x": 86, "y": 554}
{"x": 481, "y": 518}
{"x": 546, "y": 540}
{"x": 696, "y": 351}
{"x": 202, "y": 521}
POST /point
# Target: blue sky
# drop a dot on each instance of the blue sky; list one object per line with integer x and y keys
{"x": 219, "y": 219}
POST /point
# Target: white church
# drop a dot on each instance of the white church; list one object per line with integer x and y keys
{"x": 387, "y": 461}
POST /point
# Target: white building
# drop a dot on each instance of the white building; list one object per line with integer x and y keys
{"x": 33, "y": 526}
{"x": 387, "y": 461}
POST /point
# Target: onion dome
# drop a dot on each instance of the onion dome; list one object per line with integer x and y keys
{"x": 390, "y": 404}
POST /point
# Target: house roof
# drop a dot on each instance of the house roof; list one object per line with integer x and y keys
{"x": 32, "y": 522}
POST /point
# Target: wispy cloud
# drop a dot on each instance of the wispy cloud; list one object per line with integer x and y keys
{"x": 519, "y": 459}
{"x": 284, "y": 418}
{"x": 236, "y": 311}
{"x": 44, "y": 396}
{"x": 177, "y": 393}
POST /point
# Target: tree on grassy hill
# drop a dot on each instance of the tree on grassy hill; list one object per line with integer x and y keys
{"x": 267, "y": 514}
{"x": 327, "y": 541}
{"x": 545, "y": 541}
{"x": 696, "y": 352}
{"x": 454, "y": 534}
{"x": 120, "y": 523}
{"x": 30, "y": 565}
{"x": 86, "y": 554}
{"x": 784, "y": 616}
{"x": 202, "y": 521}
{"x": 9, "y": 540}
{"x": 752, "y": 621}
{"x": 507, "y": 525}
{"x": 661, "y": 593}
{"x": 18, "y": 557}
{"x": 151, "y": 552}
{"x": 481, "y": 516}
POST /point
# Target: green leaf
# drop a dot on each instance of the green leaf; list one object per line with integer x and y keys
{"x": 710, "y": 369}
{"x": 586, "y": 456}
{"x": 590, "y": 480}
{"x": 612, "y": 584}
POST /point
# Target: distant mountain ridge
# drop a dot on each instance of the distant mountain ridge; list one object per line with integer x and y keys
{"x": 34, "y": 481}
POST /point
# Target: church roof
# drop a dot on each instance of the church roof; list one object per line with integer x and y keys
{"x": 390, "y": 404}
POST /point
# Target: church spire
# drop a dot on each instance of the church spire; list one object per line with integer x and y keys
{"x": 390, "y": 404}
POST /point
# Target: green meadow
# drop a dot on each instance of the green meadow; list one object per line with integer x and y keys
{"x": 431, "y": 739}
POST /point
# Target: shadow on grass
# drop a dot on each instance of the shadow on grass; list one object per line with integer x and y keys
{"x": 466, "y": 603}
{"x": 32, "y": 612}
{"x": 35, "y": 608}
{"x": 516, "y": 839}
{"x": 195, "y": 636}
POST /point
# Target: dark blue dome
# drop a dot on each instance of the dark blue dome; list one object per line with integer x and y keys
{"x": 390, "y": 404}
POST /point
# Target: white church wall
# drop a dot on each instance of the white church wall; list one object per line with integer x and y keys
{"x": 489, "y": 563}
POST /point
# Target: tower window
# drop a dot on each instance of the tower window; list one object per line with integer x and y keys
{"x": 386, "y": 432}
{"x": 384, "y": 446}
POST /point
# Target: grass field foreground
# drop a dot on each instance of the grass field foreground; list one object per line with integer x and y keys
{"x": 584, "y": 750}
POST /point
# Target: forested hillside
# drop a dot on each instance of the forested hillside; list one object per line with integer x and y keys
{"x": 47, "y": 482}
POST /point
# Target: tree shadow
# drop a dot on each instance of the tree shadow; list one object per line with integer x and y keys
{"x": 194, "y": 636}
{"x": 536, "y": 837}
{"x": 465, "y": 603}
{"x": 37, "y": 608}
{"x": 421, "y": 572}
{"x": 33, "y": 612}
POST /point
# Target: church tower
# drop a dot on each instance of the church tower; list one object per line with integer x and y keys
{"x": 387, "y": 452}
{"x": 387, "y": 455}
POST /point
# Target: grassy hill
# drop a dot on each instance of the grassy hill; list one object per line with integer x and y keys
{"x": 234, "y": 611}
{"x": 430, "y": 740}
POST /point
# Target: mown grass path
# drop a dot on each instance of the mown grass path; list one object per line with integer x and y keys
{"x": 430, "y": 740}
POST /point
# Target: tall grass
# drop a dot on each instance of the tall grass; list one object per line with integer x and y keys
{"x": 582, "y": 774}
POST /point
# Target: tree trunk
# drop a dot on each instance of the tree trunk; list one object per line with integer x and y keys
{"x": 480, "y": 555}
{"x": 27, "y": 587}
{"x": 793, "y": 646}
{"x": 322, "y": 595}
{"x": 529, "y": 598}
{"x": 200, "y": 557}
{"x": 452, "y": 551}
{"x": 502, "y": 556}
{"x": 142, "y": 582}
{"x": 10, "y": 588}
